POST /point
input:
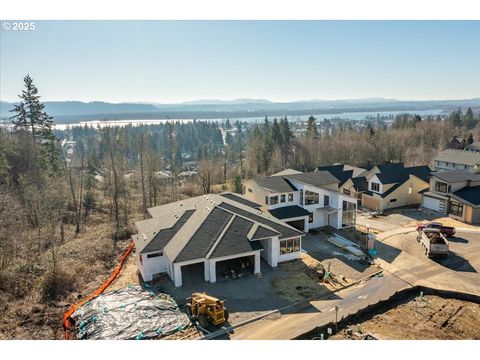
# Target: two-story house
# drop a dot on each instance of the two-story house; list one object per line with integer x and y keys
{"x": 456, "y": 193}
{"x": 392, "y": 185}
{"x": 451, "y": 159}
{"x": 303, "y": 200}
{"x": 352, "y": 181}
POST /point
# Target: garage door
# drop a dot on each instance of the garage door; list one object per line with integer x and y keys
{"x": 433, "y": 204}
{"x": 297, "y": 224}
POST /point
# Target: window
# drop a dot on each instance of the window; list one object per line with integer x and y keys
{"x": 310, "y": 218}
{"x": 301, "y": 197}
{"x": 282, "y": 198}
{"x": 266, "y": 200}
{"x": 311, "y": 198}
{"x": 346, "y": 191}
{"x": 157, "y": 254}
{"x": 410, "y": 188}
{"x": 249, "y": 190}
{"x": 393, "y": 200}
{"x": 289, "y": 246}
{"x": 440, "y": 187}
{"x": 274, "y": 200}
{"x": 348, "y": 213}
{"x": 326, "y": 200}
{"x": 375, "y": 187}
{"x": 290, "y": 197}
{"x": 456, "y": 209}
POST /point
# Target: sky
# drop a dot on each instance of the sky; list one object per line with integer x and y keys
{"x": 175, "y": 61}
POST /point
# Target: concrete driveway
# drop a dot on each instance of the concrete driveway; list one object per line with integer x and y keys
{"x": 400, "y": 254}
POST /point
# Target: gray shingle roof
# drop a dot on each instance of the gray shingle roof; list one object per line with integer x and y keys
{"x": 452, "y": 176}
{"x": 284, "y": 230}
{"x": 287, "y": 212}
{"x": 275, "y": 183}
{"x": 262, "y": 233}
{"x": 470, "y": 195}
{"x": 314, "y": 178}
{"x": 192, "y": 228}
{"x": 459, "y": 157}
{"x": 241, "y": 199}
{"x": 206, "y": 235}
{"x": 235, "y": 240}
{"x": 163, "y": 236}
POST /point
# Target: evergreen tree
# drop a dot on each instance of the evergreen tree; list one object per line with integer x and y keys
{"x": 312, "y": 131}
{"x": 469, "y": 120}
{"x": 470, "y": 139}
{"x": 30, "y": 114}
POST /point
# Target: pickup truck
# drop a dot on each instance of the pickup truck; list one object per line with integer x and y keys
{"x": 445, "y": 230}
{"x": 434, "y": 243}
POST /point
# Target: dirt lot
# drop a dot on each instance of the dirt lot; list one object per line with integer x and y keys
{"x": 432, "y": 317}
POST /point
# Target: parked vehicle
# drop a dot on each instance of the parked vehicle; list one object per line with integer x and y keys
{"x": 434, "y": 243}
{"x": 445, "y": 230}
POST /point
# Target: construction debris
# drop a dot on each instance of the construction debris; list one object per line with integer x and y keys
{"x": 131, "y": 313}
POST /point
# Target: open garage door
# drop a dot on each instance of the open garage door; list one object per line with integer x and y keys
{"x": 297, "y": 224}
{"x": 235, "y": 268}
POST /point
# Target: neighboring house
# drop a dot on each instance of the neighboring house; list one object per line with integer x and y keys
{"x": 475, "y": 146}
{"x": 352, "y": 181}
{"x": 392, "y": 185}
{"x": 202, "y": 234}
{"x": 454, "y": 143}
{"x": 457, "y": 160}
{"x": 456, "y": 193}
{"x": 303, "y": 200}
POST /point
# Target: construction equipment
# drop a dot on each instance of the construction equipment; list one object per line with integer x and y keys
{"x": 434, "y": 243}
{"x": 206, "y": 309}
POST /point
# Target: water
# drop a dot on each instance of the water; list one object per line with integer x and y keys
{"x": 293, "y": 118}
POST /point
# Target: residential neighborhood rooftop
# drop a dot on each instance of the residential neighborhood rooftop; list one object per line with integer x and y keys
{"x": 202, "y": 226}
{"x": 459, "y": 157}
{"x": 470, "y": 195}
{"x": 452, "y": 176}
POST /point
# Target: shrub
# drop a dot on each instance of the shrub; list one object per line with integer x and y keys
{"x": 57, "y": 285}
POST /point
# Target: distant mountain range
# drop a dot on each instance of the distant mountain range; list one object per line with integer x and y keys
{"x": 73, "y": 111}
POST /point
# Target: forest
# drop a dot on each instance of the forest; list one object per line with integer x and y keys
{"x": 69, "y": 198}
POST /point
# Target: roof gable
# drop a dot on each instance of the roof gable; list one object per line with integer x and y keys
{"x": 162, "y": 237}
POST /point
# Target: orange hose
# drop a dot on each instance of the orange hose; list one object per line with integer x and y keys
{"x": 97, "y": 292}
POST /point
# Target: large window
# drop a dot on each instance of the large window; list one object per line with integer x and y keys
{"x": 349, "y": 213}
{"x": 311, "y": 198}
{"x": 375, "y": 187}
{"x": 456, "y": 209}
{"x": 274, "y": 200}
{"x": 440, "y": 187}
{"x": 289, "y": 246}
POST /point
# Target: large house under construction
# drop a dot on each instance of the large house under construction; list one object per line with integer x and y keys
{"x": 205, "y": 231}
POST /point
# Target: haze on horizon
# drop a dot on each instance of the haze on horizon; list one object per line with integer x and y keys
{"x": 280, "y": 61}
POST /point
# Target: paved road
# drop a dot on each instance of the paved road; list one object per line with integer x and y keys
{"x": 322, "y": 312}
{"x": 406, "y": 266}
{"x": 400, "y": 254}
